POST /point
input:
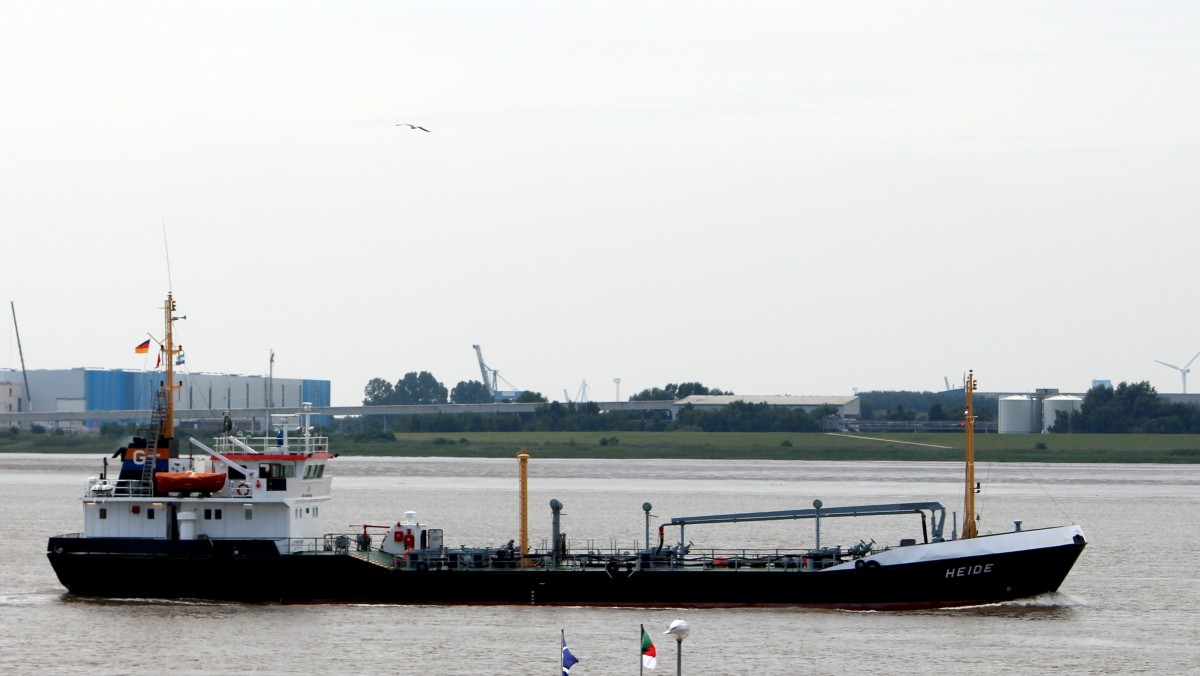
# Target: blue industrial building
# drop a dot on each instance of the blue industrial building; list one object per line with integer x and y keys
{"x": 91, "y": 389}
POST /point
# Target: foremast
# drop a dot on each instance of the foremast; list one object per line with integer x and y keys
{"x": 161, "y": 435}
{"x": 167, "y": 428}
{"x": 969, "y": 528}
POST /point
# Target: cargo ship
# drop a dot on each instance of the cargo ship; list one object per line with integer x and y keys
{"x": 241, "y": 520}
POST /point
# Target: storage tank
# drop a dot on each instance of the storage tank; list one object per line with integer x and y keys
{"x": 1016, "y": 415}
{"x": 1052, "y": 405}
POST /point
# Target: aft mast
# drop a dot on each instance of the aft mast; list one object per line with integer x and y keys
{"x": 969, "y": 528}
{"x": 523, "y": 462}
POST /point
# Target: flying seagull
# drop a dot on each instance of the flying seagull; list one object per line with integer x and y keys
{"x": 410, "y": 126}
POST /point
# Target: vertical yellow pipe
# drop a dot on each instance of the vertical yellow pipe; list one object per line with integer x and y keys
{"x": 969, "y": 529}
{"x": 523, "y": 460}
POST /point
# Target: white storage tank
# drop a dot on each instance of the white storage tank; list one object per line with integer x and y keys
{"x": 1016, "y": 415}
{"x": 1053, "y": 405}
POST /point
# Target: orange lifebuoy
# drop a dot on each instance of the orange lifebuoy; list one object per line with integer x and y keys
{"x": 243, "y": 489}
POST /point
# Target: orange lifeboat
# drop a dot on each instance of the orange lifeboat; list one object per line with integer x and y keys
{"x": 188, "y": 482}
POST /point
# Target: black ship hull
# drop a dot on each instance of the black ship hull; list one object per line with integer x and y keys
{"x": 254, "y": 571}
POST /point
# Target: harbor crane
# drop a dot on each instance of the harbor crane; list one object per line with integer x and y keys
{"x": 490, "y": 378}
{"x": 580, "y": 396}
{"x": 489, "y": 374}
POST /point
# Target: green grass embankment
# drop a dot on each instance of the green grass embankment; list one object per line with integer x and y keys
{"x": 792, "y": 446}
{"x": 1157, "y": 448}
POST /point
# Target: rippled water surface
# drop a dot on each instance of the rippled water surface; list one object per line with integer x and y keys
{"x": 1132, "y": 604}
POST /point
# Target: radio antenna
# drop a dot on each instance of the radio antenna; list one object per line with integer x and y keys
{"x": 167, "y": 251}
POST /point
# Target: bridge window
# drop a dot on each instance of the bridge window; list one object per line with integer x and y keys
{"x": 103, "y": 512}
{"x": 249, "y": 514}
{"x": 150, "y": 513}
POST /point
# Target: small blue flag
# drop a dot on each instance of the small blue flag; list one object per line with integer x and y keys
{"x": 568, "y": 660}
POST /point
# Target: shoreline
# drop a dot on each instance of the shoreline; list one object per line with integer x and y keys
{"x": 914, "y": 447}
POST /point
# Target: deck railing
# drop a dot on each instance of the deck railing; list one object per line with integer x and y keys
{"x": 121, "y": 488}
{"x": 298, "y": 445}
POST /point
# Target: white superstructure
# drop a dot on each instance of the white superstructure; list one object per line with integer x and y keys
{"x": 241, "y": 488}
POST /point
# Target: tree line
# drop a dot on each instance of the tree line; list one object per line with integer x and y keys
{"x": 423, "y": 388}
{"x": 588, "y": 417}
{"x": 1129, "y": 408}
{"x": 416, "y": 388}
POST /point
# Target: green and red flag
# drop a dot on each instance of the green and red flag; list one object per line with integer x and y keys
{"x": 649, "y": 656}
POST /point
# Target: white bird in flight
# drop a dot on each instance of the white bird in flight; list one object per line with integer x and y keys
{"x": 410, "y": 126}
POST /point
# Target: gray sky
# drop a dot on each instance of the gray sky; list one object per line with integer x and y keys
{"x": 767, "y": 197}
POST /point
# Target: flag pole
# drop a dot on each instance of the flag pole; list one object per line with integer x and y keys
{"x": 641, "y": 633}
{"x": 564, "y": 669}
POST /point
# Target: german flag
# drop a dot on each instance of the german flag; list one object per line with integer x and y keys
{"x": 143, "y": 348}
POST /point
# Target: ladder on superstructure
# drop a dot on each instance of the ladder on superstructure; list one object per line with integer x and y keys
{"x": 156, "y": 419}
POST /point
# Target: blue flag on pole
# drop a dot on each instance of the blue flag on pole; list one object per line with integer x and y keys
{"x": 568, "y": 660}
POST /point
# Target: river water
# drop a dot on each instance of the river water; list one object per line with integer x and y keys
{"x": 1132, "y": 604}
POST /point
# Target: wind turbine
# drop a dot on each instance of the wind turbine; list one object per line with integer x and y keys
{"x": 1182, "y": 371}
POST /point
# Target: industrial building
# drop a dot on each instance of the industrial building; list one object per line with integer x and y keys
{"x": 1035, "y": 413}
{"x": 91, "y": 389}
{"x": 12, "y": 396}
